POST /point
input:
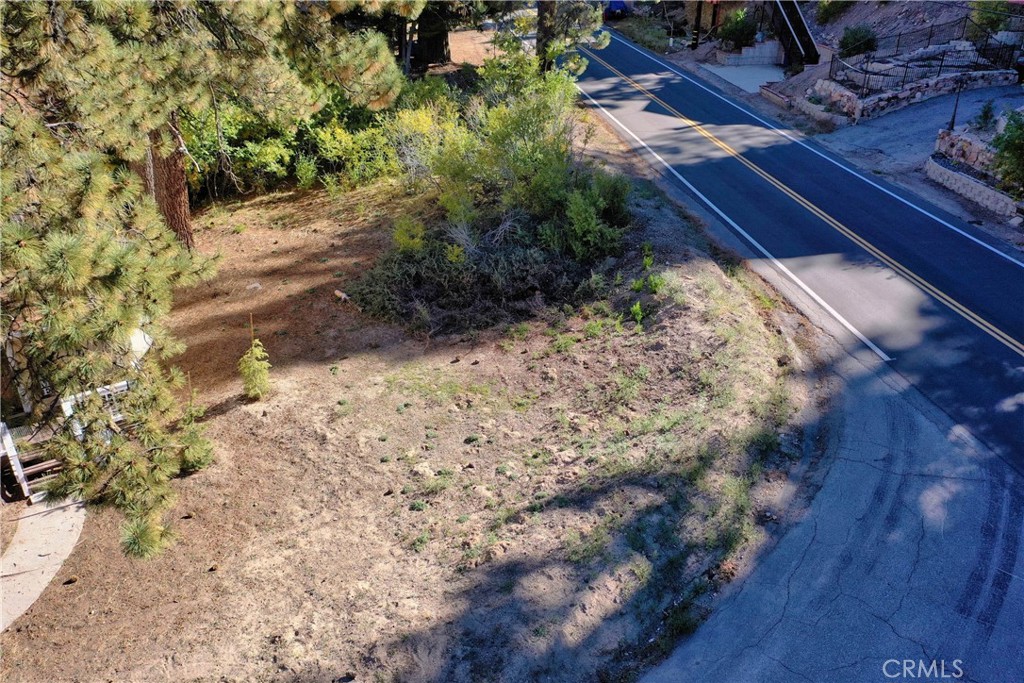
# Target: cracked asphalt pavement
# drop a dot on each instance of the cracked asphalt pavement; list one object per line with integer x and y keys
{"x": 910, "y": 549}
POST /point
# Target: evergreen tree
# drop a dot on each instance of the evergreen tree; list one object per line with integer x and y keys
{"x": 92, "y": 176}
{"x": 439, "y": 17}
{"x": 563, "y": 25}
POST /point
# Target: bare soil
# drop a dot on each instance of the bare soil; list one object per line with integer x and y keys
{"x": 885, "y": 18}
{"x": 9, "y": 514}
{"x": 557, "y": 500}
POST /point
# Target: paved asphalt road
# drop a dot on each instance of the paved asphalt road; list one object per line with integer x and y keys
{"x": 910, "y": 550}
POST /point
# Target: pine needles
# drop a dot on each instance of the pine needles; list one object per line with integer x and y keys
{"x": 254, "y": 366}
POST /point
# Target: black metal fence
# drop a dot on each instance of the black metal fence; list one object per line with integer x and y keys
{"x": 908, "y": 41}
{"x": 882, "y": 69}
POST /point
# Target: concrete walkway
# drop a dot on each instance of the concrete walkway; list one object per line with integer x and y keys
{"x": 44, "y": 539}
{"x": 747, "y": 78}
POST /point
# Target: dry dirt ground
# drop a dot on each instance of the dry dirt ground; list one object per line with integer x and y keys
{"x": 885, "y": 18}
{"x": 543, "y": 502}
{"x": 9, "y": 514}
{"x": 556, "y": 500}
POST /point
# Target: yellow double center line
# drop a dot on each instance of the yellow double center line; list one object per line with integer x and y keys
{"x": 931, "y": 289}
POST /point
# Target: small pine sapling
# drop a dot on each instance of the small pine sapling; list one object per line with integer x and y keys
{"x": 254, "y": 366}
{"x": 197, "y": 451}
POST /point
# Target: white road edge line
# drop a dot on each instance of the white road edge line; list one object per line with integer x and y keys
{"x": 824, "y": 156}
{"x": 757, "y": 245}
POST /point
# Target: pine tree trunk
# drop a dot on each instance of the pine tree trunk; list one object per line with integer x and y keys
{"x": 145, "y": 170}
{"x": 170, "y": 189}
{"x": 545, "y": 32}
{"x": 432, "y": 39}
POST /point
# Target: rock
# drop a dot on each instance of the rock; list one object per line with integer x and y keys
{"x": 423, "y": 469}
{"x": 1016, "y": 221}
{"x": 254, "y": 287}
{"x": 549, "y": 375}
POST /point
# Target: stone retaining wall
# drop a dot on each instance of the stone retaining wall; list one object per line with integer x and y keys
{"x": 972, "y": 189}
{"x": 967, "y": 149}
{"x": 850, "y": 104}
{"x": 817, "y": 112}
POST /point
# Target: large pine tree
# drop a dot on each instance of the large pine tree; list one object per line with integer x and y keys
{"x": 95, "y": 207}
{"x": 562, "y": 26}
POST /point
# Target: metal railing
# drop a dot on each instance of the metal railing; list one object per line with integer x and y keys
{"x": 773, "y": 15}
{"x": 908, "y": 41}
{"x": 961, "y": 46}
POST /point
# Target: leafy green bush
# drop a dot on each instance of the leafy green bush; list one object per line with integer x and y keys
{"x": 237, "y": 149}
{"x": 197, "y": 451}
{"x": 430, "y": 91}
{"x": 857, "y": 40}
{"x": 645, "y": 31}
{"x": 408, "y": 234}
{"x": 263, "y": 162}
{"x": 1009, "y": 147}
{"x": 614, "y": 191}
{"x": 523, "y": 218}
{"x": 588, "y": 237}
{"x": 986, "y": 118}
{"x": 305, "y": 171}
{"x": 371, "y": 156}
{"x": 739, "y": 30}
{"x": 830, "y": 9}
{"x": 994, "y": 15}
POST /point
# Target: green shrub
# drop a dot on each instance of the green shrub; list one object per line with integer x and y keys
{"x": 589, "y": 237}
{"x": 523, "y": 217}
{"x": 429, "y": 91}
{"x": 409, "y": 234}
{"x": 614, "y": 190}
{"x": 994, "y": 15}
{"x": 739, "y": 30}
{"x": 332, "y": 184}
{"x": 637, "y": 311}
{"x": 986, "y": 118}
{"x": 857, "y": 40}
{"x": 371, "y": 157}
{"x": 830, "y": 9}
{"x": 305, "y": 171}
{"x": 254, "y": 367}
{"x": 1009, "y": 147}
{"x": 260, "y": 163}
{"x": 645, "y": 31}
{"x": 332, "y": 143}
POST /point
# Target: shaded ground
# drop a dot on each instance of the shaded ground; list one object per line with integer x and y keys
{"x": 554, "y": 499}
